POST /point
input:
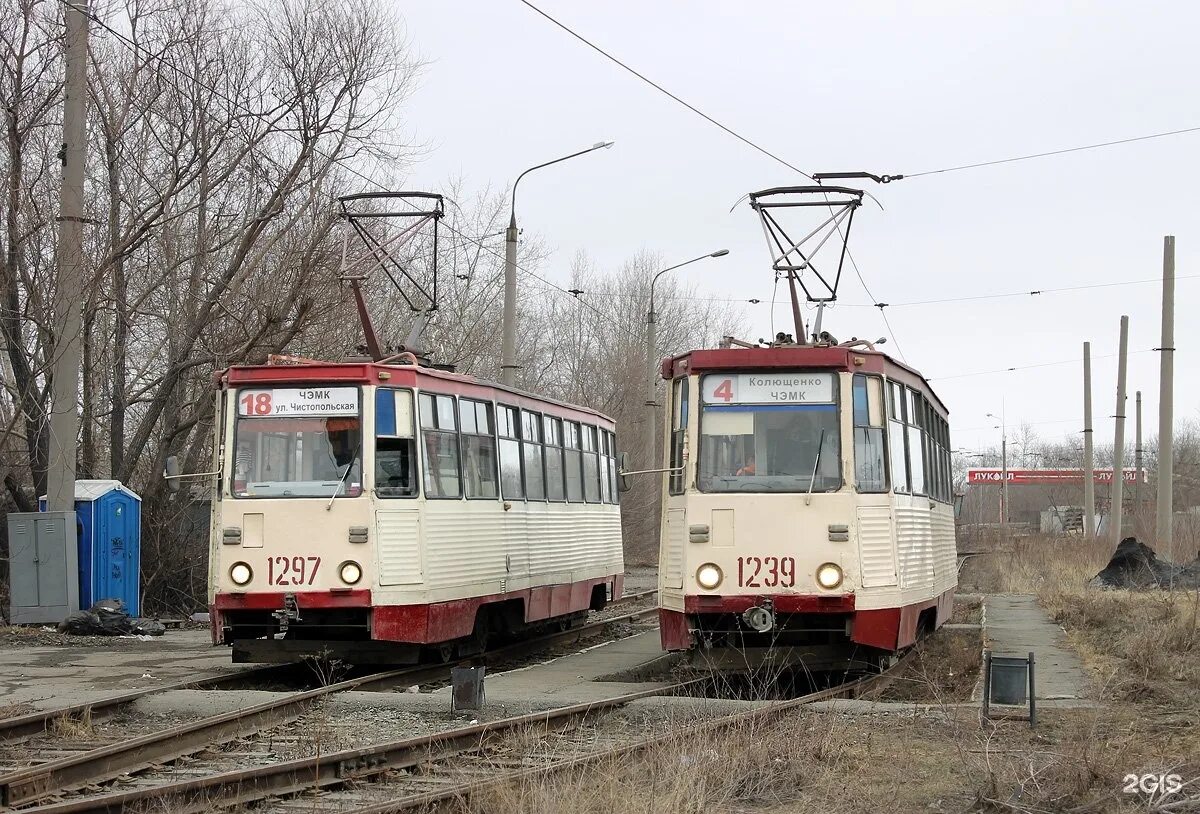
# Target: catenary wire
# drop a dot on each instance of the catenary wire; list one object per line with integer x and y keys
{"x": 664, "y": 91}
{"x": 1049, "y": 153}
{"x": 1010, "y": 294}
{"x": 1030, "y": 367}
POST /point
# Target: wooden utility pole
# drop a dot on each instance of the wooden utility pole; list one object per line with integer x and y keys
{"x": 1166, "y": 396}
{"x": 1116, "y": 511}
{"x": 1137, "y": 466}
{"x": 1089, "y": 464}
{"x": 68, "y": 294}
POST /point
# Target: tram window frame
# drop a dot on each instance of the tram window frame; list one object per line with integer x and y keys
{"x": 614, "y": 465}
{"x": 478, "y": 449}
{"x": 432, "y": 423}
{"x": 414, "y": 491}
{"x": 915, "y": 437}
{"x": 508, "y": 437}
{"x": 589, "y": 445}
{"x": 553, "y": 427}
{"x": 605, "y": 465}
{"x": 864, "y": 429}
{"x": 531, "y": 442}
{"x": 572, "y": 460}
{"x": 680, "y": 409}
{"x": 898, "y": 437}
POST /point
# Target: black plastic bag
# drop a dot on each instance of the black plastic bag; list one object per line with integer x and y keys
{"x": 148, "y": 627}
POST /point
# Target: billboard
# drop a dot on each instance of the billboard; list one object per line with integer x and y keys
{"x": 1023, "y": 477}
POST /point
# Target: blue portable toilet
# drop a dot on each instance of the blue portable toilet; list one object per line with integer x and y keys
{"x": 109, "y": 522}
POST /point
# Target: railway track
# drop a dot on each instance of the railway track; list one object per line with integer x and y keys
{"x": 422, "y": 771}
{"x": 56, "y": 766}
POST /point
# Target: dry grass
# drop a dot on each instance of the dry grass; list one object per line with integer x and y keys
{"x": 1144, "y": 648}
{"x": 72, "y": 728}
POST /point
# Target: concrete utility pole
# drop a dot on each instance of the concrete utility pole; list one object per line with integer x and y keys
{"x": 68, "y": 295}
{"x": 652, "y": 358}
{"x": 1166, "y": 406}
{"x": 1003, "y": 471}
{"x": 1137, "y": 461}
{"x": 1089, "y": 464}
{"x": 1116, "y": 512}
{"x": 508, "y": 337}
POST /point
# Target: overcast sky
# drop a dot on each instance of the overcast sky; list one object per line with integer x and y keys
{"x": 885, "y": 87}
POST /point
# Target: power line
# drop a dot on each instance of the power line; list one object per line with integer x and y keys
{"x": 1053, "y": 152}
{"x": 1030, "y": 367}
{"x": 1010, "y": 294}
{"x": 666, "y": 92}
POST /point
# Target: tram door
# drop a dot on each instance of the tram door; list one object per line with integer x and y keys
{"x": 676, "y": 536}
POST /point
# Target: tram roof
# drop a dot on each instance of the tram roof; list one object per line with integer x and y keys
{"x": 459, "y": 384}
{"x": 832, "y": 357}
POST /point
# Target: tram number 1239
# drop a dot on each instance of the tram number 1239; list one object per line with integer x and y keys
{"x": 766, "y": 572}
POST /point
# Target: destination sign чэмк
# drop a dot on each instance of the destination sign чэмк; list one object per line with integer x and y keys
{"x": 302, "y": 401}
{"x": 769, "y": 388}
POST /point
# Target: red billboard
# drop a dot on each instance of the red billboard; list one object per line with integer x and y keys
{"x": 1020, "y": 477}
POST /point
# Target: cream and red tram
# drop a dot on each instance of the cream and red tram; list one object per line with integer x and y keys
{"x": 380, "y": 512}
{"x": 808, "y": 514}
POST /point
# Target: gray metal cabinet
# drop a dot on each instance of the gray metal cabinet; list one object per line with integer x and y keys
{"x": 43, "y": 563}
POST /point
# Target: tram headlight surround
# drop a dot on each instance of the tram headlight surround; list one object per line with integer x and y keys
{"x": 709, "y": 576}
{"x": 829, "y": 575}
{"x": 350, "y": 572}
{"x": 241, "y": 573}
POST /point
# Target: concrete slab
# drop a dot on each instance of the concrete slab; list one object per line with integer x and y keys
{"x": 1015, "y": 625}
{"x": 49, "y": 677}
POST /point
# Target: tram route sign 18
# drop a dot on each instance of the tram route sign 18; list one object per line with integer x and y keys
{"x": 768, "y": 388}
{"x": 288, "y": 402}
{"x": 1019, "y": 477}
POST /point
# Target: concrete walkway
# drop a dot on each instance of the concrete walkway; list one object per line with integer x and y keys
{"x": 1015, "y": 625}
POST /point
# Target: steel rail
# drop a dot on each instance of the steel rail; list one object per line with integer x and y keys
{"x": 460, "y": 791}
{"x": 20, "y": 727}
{"x": 106, "y": 762}
{"x": 243, "y": 786}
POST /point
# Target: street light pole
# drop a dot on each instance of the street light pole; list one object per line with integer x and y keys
{"x": 508, "y": 346}
{"x": 651, "y": 354}
{"x": 1003, "y": 471}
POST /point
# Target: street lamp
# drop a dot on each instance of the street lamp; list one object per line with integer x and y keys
{"x": 1003, "y": 470}
{"x": 651, "y": 341}
{"x": 508, "y": 347}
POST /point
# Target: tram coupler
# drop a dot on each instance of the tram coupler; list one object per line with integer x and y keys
{"x": 760, "y": 618}
{"x": 290, "y": 612}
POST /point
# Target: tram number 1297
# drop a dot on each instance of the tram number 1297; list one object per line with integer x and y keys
{"x": 766, "y": 572}
{"x": 292, "y": 570}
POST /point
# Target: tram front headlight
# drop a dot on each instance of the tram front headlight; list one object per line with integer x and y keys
{"x": 709, "y": 576}
{"x": 350, "y": 572}
{"x": 829, "y": 576}
{"x": 240, "y": 573}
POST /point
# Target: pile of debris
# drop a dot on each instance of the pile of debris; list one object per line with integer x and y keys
{"x": 108, "y": 617}
{"x": 1135, "y": 565}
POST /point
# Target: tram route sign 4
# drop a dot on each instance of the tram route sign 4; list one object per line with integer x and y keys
{"x": 768, "y": 388}
{"x": 1022, "y": 477}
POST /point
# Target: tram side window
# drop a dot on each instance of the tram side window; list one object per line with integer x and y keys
{"x": 614, "y": 493}
{"x": 554, "y": 459}
{"x": 479, "y": 449}
{"x": 508, "y": 427}
{"x": 573, "y": 466}
{"x": 679, "y": 420}
{"x": 605, "y": 466}
{"x": 870, "y": 469}
{"x": 395, "y": 444}
{"x": 591, "y": 465}
{"x": 531, "y": 453}
{"x": 439, "y": 440}
{"x": 916, "y": 450}
{"x": 897, "y": 437}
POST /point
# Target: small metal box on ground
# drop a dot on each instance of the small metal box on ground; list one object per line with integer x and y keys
{"x": 1008, "y": 680}
{"x": 466, "y": 688}
{"x": 109, "y": 526}
{"x": 43, "y": 573}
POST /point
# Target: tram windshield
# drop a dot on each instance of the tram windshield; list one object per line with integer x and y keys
{"x": 769, "y": 433}
{"x": 298, "y": 442}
